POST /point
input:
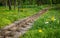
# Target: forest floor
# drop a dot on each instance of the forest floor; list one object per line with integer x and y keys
{"x": 16, "y": 29}
{"x": 7, "y": 17}
{"x": 47, "y": 26}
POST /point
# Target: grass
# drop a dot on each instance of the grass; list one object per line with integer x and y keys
{"x": 47, "y": 26}
{"x": 9, "y": 16}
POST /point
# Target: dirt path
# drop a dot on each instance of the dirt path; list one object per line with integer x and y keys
{"x": 18, "y": 28}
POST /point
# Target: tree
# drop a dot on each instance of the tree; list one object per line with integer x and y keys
{"x": 39, "y": 2}
{"x": 5, "y": 3}
{"x": 51, "y": 2}
{"x": 14, "y": 4}
{"x": 18, "y": 5}
{"x": 9, "y": 4}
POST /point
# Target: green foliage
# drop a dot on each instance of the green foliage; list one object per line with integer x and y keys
{"x": 4, "y": 22}
{"x": 7, "y": 17}
{"x": 48, "y": 28}
{"x": 48, "y": 23}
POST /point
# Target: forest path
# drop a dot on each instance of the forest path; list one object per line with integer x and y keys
{"x": 18, "y": 28}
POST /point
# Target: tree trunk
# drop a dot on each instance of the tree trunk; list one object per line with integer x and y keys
{"x": 5, "y": 3}
{"x": 9, "y": 4}
{"x": 14, "y": 4}
{"x": 18, "y": 5}
{"x": 38, "y": 2}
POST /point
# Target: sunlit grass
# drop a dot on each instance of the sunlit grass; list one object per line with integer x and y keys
{"x": 47, "y": 26}
{"x": 9, "y": 16}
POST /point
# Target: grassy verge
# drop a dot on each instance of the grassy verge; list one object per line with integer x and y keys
{"x": 8, "y": 17}
{"x": 47, "y": 26}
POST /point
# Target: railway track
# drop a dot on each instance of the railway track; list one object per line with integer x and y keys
{"x": 18, "y": 28}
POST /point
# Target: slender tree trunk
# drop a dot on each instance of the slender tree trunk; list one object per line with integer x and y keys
{"x": 18, "y": 5}
{"x": 38, "y": 2}
{"x": 9, "y": 4}
{"x": 30, "y": 2}
{"x": 5, "y": 3}
{"x": 14, "y": 4}
{"x": 51, "y": 2}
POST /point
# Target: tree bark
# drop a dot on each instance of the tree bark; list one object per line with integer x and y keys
{"x": 14, "y": 4}
{"x": 9, "y": 4}
{"x": 18, "y": 5}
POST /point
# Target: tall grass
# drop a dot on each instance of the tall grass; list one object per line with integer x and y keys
{"x": 47, "y": 26}
{"x": 9, "y": 16}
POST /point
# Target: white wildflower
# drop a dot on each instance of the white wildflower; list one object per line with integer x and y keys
{"x": 46, "y": 22}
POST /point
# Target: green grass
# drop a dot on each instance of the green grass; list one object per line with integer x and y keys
{"x": 47, "y": 26}
{"x": 9, "y": 16}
